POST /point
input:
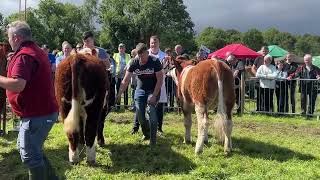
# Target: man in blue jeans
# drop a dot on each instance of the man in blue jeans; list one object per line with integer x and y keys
{"x": 31, "y": 96}
{"x": 149, "y": 74}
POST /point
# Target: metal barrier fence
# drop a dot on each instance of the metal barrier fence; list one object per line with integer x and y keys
{"x": 171, "y": 104}
{"x": 294, "y": 97}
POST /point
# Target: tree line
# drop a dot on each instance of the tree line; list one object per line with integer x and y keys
{"x": 216, "y": 38}
{"x": 134, "y": 21}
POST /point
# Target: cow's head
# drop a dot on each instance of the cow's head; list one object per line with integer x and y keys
{"x": 4, "y": 50}
{"x": 180, "y": 63}
{"x": 89, "y": 51}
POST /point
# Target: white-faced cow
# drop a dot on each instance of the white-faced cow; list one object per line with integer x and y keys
{"x": 206, "y": 85}
{"x": 82, "y": 86}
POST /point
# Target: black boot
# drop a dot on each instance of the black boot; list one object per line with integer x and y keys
{"x": 37, "y": 173}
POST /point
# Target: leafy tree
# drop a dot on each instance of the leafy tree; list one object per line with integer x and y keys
{"x": 54, "y": 22}
{"x": 285, "y": 40}
{"x": 37, "y": 28}
{"x": 61, "y": 22}
{"x": 2, "y": 28}
{"x": 234, "y": 36}
{"x": 89, "y": 11}
{"x": 253, "y": 39}
{"x": 212, "y": 38}
{"x": 269, "y": 36}
{"x": 307, "y": 44}
{"x": 134, "y": 21}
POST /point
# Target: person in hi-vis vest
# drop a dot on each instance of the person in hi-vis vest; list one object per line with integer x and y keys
{"x": 122, "y": 59}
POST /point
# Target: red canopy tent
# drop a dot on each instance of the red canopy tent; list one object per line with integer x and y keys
{"x": 240, "y": 51}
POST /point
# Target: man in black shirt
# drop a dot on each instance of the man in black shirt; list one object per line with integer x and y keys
{"x": 291, "y": 67}
{"x": 149, "y": 81}
{"x": 237, "y": 68}
{"x": 308, "y": 88}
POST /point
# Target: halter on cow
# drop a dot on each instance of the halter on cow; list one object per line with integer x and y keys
{"x": 82, "y": 86}
{"x": 204, "y": 86}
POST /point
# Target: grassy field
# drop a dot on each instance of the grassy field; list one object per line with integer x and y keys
{"x": 265, "y": 147}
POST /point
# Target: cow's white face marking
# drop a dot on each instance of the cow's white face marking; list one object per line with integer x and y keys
{"x": 73, "y": 155}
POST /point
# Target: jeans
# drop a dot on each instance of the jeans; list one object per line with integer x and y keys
{"x": 148, "y": 129}
{"x": 32, "y": 134}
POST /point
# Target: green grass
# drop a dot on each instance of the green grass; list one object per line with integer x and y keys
{"x": 265, "y": 147}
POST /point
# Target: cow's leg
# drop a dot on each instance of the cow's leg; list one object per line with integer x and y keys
{"x": 187, "y": 111}
{"x": 229, "y": 100}
{"x": 228, "y": 130}
{"x": 202, "y": 117}
{"x": 206, "y": 139}
{"x": 73, "y": 150}
{"x": 90, "y": 133}
{"x": 100, "y": 127}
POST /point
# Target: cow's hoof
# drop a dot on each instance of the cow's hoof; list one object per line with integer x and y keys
{"x": 92, "y": 163}
{"x": 227, "y": 153}
{"x": 73, "y": 163}
{"x": 198, "y": 152}
{"x": 101, "y": 144}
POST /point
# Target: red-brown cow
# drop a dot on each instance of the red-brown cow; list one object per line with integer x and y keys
{"x": 4, "y": 49}
{"x": 82, "y": 86}
{"x": 204, "y": 86}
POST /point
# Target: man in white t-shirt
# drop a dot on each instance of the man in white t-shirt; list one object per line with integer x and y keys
{"x": 155, "y": 51}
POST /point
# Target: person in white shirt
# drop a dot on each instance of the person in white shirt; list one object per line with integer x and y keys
{"x": 267, "y": 73}
{"x": 155, "y": 51}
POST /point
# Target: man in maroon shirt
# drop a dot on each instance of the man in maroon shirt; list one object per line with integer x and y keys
{"x": 31, "y": 96}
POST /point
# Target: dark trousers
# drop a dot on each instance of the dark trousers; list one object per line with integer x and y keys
{"x": 118, "y": 83}
{"x": 159, "y": 109}
{"x": 133, "y": 90}
{"x": 292, "y": 90}
{"x": 258, "y": 88}
{"x": 136, "y": 123}
{"x": 311, "y": 92}
{"x": 171, "y": 91}
{"x": 282, "y": 96}
{"x": 238, "y": 100}
{"x": 267, "y": 99}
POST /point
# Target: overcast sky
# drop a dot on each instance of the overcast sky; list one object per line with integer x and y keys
{"x": 295, "y": 16}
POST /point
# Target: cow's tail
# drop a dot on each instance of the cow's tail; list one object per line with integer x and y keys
{"x": 71, "y": 123}
{"x": 221, "y": 122}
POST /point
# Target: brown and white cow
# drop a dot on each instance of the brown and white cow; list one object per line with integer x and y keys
{"x": 206, "y": 85}
{"x": 82, "y": 86}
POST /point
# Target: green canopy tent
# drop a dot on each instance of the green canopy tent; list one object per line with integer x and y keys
{"x": 276, "y": 51}
{"x": 316, "y": 61}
